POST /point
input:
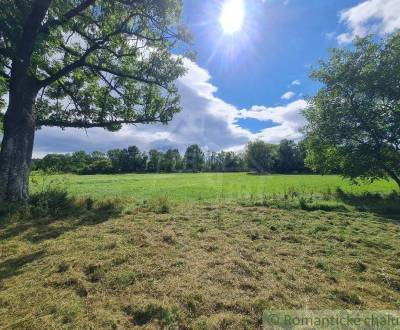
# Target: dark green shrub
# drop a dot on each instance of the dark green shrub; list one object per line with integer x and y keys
{"x": 52, "y": 202}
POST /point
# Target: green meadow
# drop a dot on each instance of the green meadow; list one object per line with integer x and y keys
{"x": 209, "y": 187}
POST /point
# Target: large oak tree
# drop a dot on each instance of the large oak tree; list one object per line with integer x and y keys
{"x": 354, "y": 119}
{"x": 84, "y": 64}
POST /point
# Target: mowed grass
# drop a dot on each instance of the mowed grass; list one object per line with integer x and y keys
{"x": 96, "y": 265}
{"x": 195, "y": 251}
{"x": 211, "y": 187}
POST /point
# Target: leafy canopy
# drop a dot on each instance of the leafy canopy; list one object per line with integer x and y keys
{"x": 194, "y": 158}
{"x": 261, "y": 156}
{"x": 95, "y": 63}
{"x": 354, "y": 119}
{"x": 289, "y": 157}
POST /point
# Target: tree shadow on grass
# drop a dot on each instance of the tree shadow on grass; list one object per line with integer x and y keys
{"x": 386, "y": 206}
{"x": 51, "y": 214}
{"x": 13, "y": 266}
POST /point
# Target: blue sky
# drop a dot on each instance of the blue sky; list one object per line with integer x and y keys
{"x": 249, "y": 85}
{"x": 279, "y": 41}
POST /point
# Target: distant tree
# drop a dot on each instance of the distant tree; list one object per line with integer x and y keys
{"x": 56, "y": 162}
{"x": 289, "y": 157}
{"x": 155, "y": 160}
{"x": 260, "y": 156}
{"x": 194, "y": 158}
{"x": 133, "y": 160}
{"x": 228, "y": 161}
{"x": 354, "y": 119}
{"x": 83, "y": 63}
{"x": 79, "y": 160}
{"x": 116, "y": 157}
{"x": 212, "y": 161}
{"x": 128, "y": 160}
{"x": 98, "y": 166}
{"x": 97, "y": 155}
{"x": 233, "y": 162}
{"x": 172, "y": 161}
{"x": 35, "y": 166}
{"x": 220, "y": 161}
{"x": 302, "y": 149}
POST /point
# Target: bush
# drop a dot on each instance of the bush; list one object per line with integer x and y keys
{"x": 54, "y": 202}
{"x": 159, "y": 205}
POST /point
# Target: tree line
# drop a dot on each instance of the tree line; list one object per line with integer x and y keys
{"x": 261, "y": 157}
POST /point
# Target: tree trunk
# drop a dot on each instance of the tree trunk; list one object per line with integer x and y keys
{"x": 17, "y": 145}
{"x": 392, "y": 174}
{"x": 396, "y": 179}
{"x": 19, "y": 121}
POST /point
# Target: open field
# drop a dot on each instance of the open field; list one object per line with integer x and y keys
{"x": 211, "y": 187}
{"x": 74, "y": 262}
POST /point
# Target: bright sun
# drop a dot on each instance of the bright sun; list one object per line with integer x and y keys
{"x": 232, "y": 16}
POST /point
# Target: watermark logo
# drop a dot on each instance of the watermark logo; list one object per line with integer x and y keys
{"x": 331, "y": 319}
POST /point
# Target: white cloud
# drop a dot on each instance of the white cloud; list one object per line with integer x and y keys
{"x": 285, "y": 2}
{"x": 330, "y": 35}
{"x": 206, "y": 120}
{"x": 289, "y": 120}
{"x": 295, "y": 83}
{"x": 371, "y": 16}
{"x": 288, "y": 95}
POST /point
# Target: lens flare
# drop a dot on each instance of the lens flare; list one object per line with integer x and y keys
{"x": 232, "y": 16}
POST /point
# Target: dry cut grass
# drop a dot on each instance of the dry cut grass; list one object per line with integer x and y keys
{"x": 203, "y": 266}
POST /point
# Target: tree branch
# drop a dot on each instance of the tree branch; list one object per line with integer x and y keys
{"x": 83, "y": 124}
{"x": 125, "y": 75}
{"x": 4, "y": 75}
{"x": 69, "y": 68}
{"x": 5, "y": 52}
{"x": 78, "y": 9}
{"x": 68, "y": 15}
{"x": 112, "y": 87}
{"x": 81, "y": 61}
{"x": 31, "y": 27}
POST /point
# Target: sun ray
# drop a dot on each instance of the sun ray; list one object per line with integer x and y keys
{"x": 232, "y": 16}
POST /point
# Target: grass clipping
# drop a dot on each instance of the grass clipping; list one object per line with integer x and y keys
{"x": 82, "y": 263}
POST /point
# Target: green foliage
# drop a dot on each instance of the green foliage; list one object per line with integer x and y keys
{"x": 103, "y": 166}
{"x": 225, "y": 162}
{"x": 194, "y": 158}
{"x": 3, "y": 90}
{"x": 290, "y": 157}
{"x": 96, "y": 63}
{"x": 54, "y": 202}
{"x": 354, "y": 119}
{"x": 172, "y": 161}
{"x": 155, "y": 159}
{"x": 79, "y": 162}
{"x": 261, "y": 156}
{"x": 1, "y": 122}
{"x": 128, "y": 160}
